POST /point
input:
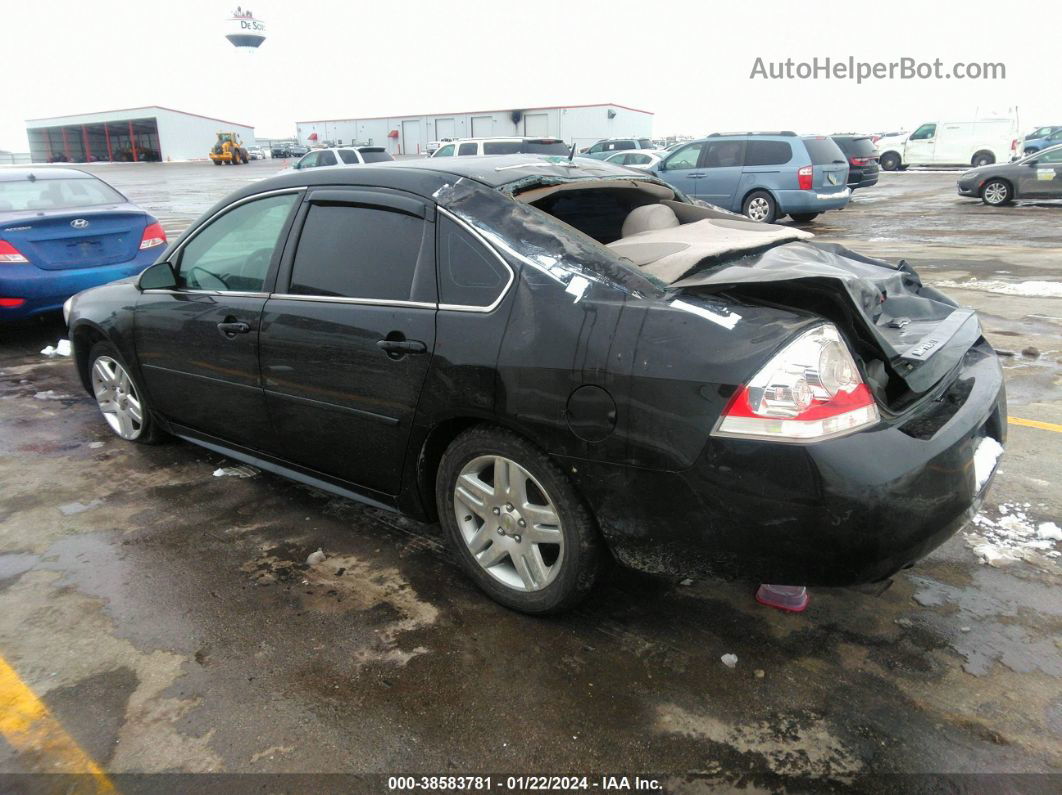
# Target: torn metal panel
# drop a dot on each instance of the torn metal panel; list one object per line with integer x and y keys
{"x": 921, "y": 333}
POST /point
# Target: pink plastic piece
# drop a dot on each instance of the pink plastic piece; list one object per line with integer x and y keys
{"x": 792, "y": 598}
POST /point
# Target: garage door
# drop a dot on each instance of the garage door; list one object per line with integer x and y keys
{"x": 444, "y": 128}
{"x": 536, "y": 125}
{"x": 410, "y": 137}
{"x": 482, "y": 126}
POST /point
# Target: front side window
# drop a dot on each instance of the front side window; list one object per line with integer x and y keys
{"x": 328, "y": 158}
{"x": 357, "y": 252}
{"x": 446, "y": 151}
{"x": 469, "y": 275}
{"x": 686, "y": 157}
{"x": 924, "y": 133}
{"x": 598, "y": 147}
{"x": 645, "y": 143}
{"x": 1050, "y": 158}
{"x": 349, "y": 156}
{"x": 723, "y": 154}
{"x": 310, "y": 160}
{"x": 233, "y": 253}
{"x": 468, "y": 149}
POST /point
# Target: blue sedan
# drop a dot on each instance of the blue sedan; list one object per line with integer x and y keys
{"x": 62, "y": 231}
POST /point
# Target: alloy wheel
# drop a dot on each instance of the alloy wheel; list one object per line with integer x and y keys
{"x": 117, "y": 398}
{"x": 995, "y": 193}
{"x": 509, "y": 523}
{"x": 759, "y": 209}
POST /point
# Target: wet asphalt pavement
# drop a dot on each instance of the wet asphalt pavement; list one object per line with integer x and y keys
{"x": 169, "y": 621}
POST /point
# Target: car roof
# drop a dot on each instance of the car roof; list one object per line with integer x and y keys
{"x": 505, "y": 138}
{"x": 427, "y": 175}
{"x": 42, "y": 172}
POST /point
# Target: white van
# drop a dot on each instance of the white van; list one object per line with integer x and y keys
{"x": 951, "y": 143}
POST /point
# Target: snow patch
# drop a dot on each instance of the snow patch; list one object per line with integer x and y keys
{"x": 1035, "y": 289}
{"x": 1013, "y": 536}
{"x": 985, "y": 457}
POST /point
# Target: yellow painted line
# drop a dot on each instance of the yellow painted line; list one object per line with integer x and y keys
{"x": 1043, "y": 426}
{"x": 28, "y": 726}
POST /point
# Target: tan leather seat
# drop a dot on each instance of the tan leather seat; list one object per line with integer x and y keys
{"x": 647, "y": 218}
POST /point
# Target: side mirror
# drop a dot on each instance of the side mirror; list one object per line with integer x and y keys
{"x": 159, "y": 276}
{"x": 584, "y": 150}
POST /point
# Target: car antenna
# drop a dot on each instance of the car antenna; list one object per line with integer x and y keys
{"x": 571, "y": 155}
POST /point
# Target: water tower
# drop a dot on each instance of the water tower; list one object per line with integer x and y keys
{"x": 244, "y": 31}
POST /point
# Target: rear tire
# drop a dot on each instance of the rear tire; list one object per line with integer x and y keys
{"x": 803, "y": 218}
{"x": 997, "y": 192}
{"x": 516, "y": 523}
{"x": 120, "y": 397}
{"x": 983, "y": 159}
{"x": 890, "y": 161}
{"x": 760, "y": 206}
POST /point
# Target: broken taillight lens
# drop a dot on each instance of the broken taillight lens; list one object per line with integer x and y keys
{"x": 154, "y": 235}
{"x": 805, "y": 177}
{"x": 9, "y": 255}
{"x": 810, "y": 391}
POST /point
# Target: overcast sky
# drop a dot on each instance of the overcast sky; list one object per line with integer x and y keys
{"x": 688, "y": 62}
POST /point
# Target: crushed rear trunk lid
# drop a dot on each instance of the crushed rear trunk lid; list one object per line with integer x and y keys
{"x": 889, "y": 315}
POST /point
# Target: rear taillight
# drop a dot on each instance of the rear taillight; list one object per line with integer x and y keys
{"x": 154, "y": 235}
{"x": 860, "y": 161}
{"x": 810, "y": 391}
{"x": 1014, "y": 145}
{"x": 804, "y": 177}
{"x": 9, "y": 255}
{"x": 11, "y": 303}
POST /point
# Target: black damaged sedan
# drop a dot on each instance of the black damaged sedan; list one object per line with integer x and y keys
{"x": 562, "y": 363}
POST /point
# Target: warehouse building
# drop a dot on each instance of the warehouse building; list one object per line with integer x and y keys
{"x": 578, "y": 124}
{"x": 132, "y": 134}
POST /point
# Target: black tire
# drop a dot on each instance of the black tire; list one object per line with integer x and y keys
{"x": 583, "y": 552}
{"x": 754, "y": 202}
{"x": 217, "y": 162}
{"x": 983, "y": 159}
{"x": 997, "y": 193}
{"x": 149, "y": 430}
{"x": 803, "y": 218}
{"x": 890, "y": 161}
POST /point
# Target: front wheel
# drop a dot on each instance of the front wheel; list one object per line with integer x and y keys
{"x": 997, "y": 192}
{"x": 760, "y": 206}
{"x": 803, "y": 218}
{"x": 119, "y": 396}
{"x": 516, "y": 522}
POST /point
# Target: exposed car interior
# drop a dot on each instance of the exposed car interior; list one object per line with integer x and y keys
{"x": 643, "y": 223}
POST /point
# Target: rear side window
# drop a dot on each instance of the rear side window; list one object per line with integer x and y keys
{"x": 501, "y": 147}
{"x": 469, "y": 275}
{"x": 824, "y": 151}
{"x": 375, "y": 155}
{"x": 468, "y": 149}
{"x": 349, "y": 157}
{"x": 724, "y": 154}
{"x": 544, "y": 148}
{"x": 356, "y": 252}
{"x": 767, "y": 153}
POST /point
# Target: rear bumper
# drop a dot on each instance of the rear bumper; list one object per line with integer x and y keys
{"x": 812, "y": 201}
{"x": 45, "y": 291}
{"x": 841, "y": 512}
{"x": 862, "y": 178}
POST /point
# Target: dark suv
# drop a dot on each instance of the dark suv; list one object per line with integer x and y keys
{"x": 862, "y": 159}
